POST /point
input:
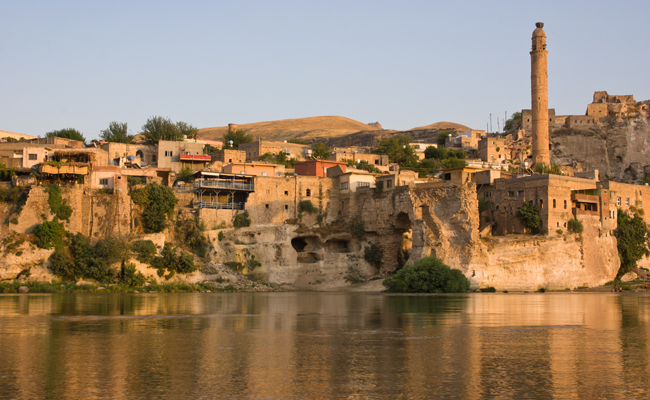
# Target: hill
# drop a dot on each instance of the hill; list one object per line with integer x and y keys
{"x": 311, "y": 128}
{"x": 441, "y": 126}
{"x": 17, "y": 136}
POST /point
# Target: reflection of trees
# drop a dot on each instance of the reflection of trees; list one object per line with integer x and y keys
{"x": 427, "y": 309}
{"x": 634, "y": 341}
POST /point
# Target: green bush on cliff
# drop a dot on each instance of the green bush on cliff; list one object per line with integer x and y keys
{"x": 159, "y": 202}
{"x": 307, "y": 206}
{"x": 373, "y": 255}
{"x": 190, "y": 233}
{"x": 632, "y": 237}
{"x": 58, "y": 205}
{"x": 49, "y": 234}
{"x": 528, "y": 215}
{"x": 145, "y": 250}
{"x": 170, "y": 261}
{"x": 242, "y": 220}
{"x": 574, "y": 226}
{"x": 428, "y": 275}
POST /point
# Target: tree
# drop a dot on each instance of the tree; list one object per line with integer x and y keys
{"x": 238, "y": 137}
{"x": 442, "y": 137}
{"x": 159, "y": 204}
{"x": 117, "y": 132}
{"x": 632, "y": 238}
{"x": 528, "y": 214}
{"x": 68, "y": 133}
{"x": 428, "y": 275}
{"x": 321, "y": 151}
{"x": 398, "y": 150}
{"x": 159, "y": 128}
{"x": 511, "y": 121}
{"x": 186, "y": 130}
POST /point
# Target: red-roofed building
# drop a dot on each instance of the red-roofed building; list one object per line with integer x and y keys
{"x": 317, "y": 167}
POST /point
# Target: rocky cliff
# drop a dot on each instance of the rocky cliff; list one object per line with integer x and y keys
{"x": 619, "y": 149}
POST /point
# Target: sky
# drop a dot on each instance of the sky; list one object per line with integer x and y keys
{"x": 83, "y": 64}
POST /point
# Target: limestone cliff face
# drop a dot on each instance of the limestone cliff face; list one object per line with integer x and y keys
{"x": 611, "y": 148}
{"x": 444, "y": 223}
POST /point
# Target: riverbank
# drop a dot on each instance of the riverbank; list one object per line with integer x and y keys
{"x": 89, "y": 287}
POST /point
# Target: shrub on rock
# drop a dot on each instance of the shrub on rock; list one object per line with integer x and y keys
{"x": 428, "y": 275}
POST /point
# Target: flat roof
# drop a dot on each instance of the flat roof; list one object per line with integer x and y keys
{"x": 222, "y": 174}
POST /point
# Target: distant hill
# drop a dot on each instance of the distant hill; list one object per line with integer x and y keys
{"x": 442, "y": 125}
{"x": 17, "y": 136}
{"x": 300, "y": 128}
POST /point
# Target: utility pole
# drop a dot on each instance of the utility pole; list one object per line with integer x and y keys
{"x": 490, "y": 122}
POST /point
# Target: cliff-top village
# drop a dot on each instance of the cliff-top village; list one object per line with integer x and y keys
{"x": 339, "y": 211}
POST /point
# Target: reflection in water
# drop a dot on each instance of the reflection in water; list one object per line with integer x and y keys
{"x": 324, "y": 345}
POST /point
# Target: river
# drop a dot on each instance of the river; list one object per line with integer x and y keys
{"x": 325, "y": 345}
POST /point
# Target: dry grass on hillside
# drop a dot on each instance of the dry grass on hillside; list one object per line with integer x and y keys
{"x": 443, "y": 125}
{"x": 301, "y": 128}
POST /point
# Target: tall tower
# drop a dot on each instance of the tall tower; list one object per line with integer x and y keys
{"x": 539, "y": 94}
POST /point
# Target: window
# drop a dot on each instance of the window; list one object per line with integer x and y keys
{"x": 565, "y": 204}
{"x": 558, "y": 224}
{"x": 511, "y": 193}
{"x": 447, "y": 177}
{"x": 286, "y": 193}
{"x": 267, "y": 206}
{"x": 32, "y": 157}
{"x": 286, "y": 206}
{"x": 618, "y": 201}
{"x": 520, "y": 193}
{"x": 230, "y": 160}
{"x": 168, "y": 153}
{"x": 640, "y": 204}
{"x": 264, "y": 174}
{"x": 344, "y": 185}
{"x": 103, "y": 182}
{"x": 627, "y": 202}
{"x": 363, "y": 184}
{"x": 389, "y": 184}
{"x": 308, "y": 193}
{"x": 154, "y": 158}
{"x": 541, "y": 203}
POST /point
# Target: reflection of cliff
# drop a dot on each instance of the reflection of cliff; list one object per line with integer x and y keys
{"x": 324, "y": 345}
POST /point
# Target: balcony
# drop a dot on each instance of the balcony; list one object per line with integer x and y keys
{"x": 585, "y": 198}
{"x": 223, "y": 184}
{"x": 219, "y": 205}
{"x": 195, "y": 157}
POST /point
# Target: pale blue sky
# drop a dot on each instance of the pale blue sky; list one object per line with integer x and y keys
{"x": 83, "y": 64}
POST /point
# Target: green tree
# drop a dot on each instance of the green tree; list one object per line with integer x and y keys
{"x": 428, "y": 275}
{"x": 49, "y": 234}
{"x": 632, "y": 240}
{"x": 553, "y": 169}
{"x": 442, "y": 137}
{"x": 321, "y": 151}
{"x": 237, "y": 137}
{"x": 67, "y": 133}
{"x": 159, "y": 204}
{"x": 186, "y": 175}
{"x": 511, "y": 121}
{"x": 528, "y": 215}
{"x": 186, "y": 130}
{"x": 160, "y": 128}
{"x": 398, "y": 150}
{"x": 117, "y": 132}
{"x": 297, "y": 141}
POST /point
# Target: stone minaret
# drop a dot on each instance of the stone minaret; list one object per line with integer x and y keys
{"x": 539, "y": 94}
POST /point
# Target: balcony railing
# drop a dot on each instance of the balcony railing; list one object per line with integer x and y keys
{"x": 201, "y": 183}
{"x": 219, "y": 206}
{"x": 585, "y": 198}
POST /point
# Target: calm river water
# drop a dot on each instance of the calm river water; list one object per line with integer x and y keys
{"x": 324, "y": 345}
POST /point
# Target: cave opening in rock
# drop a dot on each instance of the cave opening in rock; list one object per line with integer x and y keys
{"x": 338, "y": 246}
{"x": 298, "y": 244}
{"x": 309, "y": 258}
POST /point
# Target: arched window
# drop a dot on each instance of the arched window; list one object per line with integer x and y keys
{"x": 308, "y": 192}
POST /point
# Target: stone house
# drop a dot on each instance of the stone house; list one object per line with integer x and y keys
{"x": 179, "y": 155}
{"x": 317, "y": 167}
{"x": 493, "y": 150}
{"x": 142, "y": 155}
{"x": 256, "y": 149}
{"x": 23, "y": 154}
{"x": 228, "y": 156}
{"x": 378, "y": 160}
{"x": 255, "y": 169}
{"x": 352, "y": 180}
